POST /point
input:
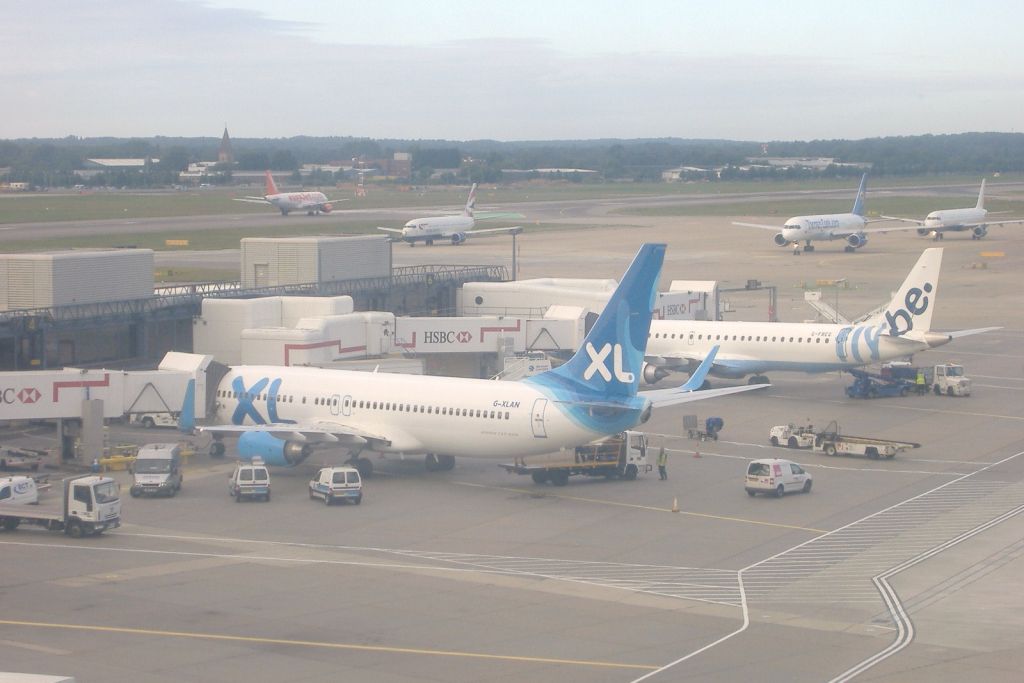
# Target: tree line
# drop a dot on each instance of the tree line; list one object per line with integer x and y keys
{"x": 53, "y": 162}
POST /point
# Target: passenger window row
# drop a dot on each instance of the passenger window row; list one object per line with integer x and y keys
{"x": 742, "y": 337}
{"x": 379, "y": 405}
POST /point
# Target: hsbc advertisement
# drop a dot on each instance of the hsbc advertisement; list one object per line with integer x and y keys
{"x": 58, "y": 393}
{"x": 458, "y": 335}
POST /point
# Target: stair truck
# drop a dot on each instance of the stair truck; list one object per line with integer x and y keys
{"x": 622, "y": 456}
{"x": 90, "y": 505}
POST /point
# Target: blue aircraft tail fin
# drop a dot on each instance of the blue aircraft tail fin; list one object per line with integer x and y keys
{"x": 610, "y": 361}
{"x": 858, "y": 203}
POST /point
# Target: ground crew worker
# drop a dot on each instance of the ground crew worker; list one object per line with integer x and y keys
{"x": 662, "y": 463}
{"x": 920, "y": 382}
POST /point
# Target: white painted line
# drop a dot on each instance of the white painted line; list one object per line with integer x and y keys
{"x": 35, "y": 648}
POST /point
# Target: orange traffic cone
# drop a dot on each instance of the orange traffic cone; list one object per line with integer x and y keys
{"x": 675, "y": 504}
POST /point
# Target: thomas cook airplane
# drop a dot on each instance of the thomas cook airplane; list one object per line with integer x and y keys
{"x": 902, "y": 328}
{"x": 850, "y": 227}
{"x": 285, "y": 202}
{"x": 281, "y": 413}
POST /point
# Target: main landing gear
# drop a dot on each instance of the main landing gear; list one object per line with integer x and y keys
{"x": 439, "y": 463}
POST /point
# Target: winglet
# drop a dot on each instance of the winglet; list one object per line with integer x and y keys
{"x": 271, "y": 185}
{"x": 981, "y": 196}
{"x": 696, "y": 380}
{"x": 858, "y": 203}
{"x": 187, "y": 418}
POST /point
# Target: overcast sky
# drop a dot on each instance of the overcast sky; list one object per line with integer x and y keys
{"x": 454, "y": 69}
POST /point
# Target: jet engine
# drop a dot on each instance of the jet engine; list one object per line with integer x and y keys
{"x": 274, "y": 451}
{"x": 925, "y": 232}
{"x": 979, "y": 232}
{"x": 780, "y": 240}
{"x": 326, "y": 208}
{"x": 653, "y": 374}
{"x": 458, "y": 237}
{"x": 857, "y": 240}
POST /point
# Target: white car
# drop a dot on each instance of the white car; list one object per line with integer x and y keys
{"x": 777, "y": 476}
{"x": 150, "y": 420}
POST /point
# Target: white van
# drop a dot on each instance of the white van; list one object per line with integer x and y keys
{"x": 19, "y": 489}
{"x": 775, "y": 475}
{"x": 337, "y": 483}
{"x": 157, "y": 470}
{"x": 250, "y": 480}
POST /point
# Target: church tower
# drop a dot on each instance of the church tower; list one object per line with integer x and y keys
{"x": 224, "y": 154}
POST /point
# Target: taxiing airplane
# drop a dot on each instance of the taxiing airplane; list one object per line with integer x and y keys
{"x": 311, "y": 202}
{"x": 281, "y": 413}
{"x": 456, "y": 229}
{"x": 902, "y": 328}
{"x": 851, "y": 227}
{"x": 937, "y": 223}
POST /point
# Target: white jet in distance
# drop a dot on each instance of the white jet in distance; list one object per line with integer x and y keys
{"x": 281, "y": 413}
{"x": 851, "y": 227}
{"x": 311, "y": 202}
{"x": 974, "y": 219}
{"x": 901, "y": 328}
{"x": 456, "y": 229}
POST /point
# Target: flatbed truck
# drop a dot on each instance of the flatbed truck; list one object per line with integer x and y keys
{"x": 622, "y": 456}
{"x": 831, "y": 442}
{"x": 90, "y": 505}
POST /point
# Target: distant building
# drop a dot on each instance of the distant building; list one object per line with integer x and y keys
{"x": 682, "y": 173}
{"x": 813, "y": 163}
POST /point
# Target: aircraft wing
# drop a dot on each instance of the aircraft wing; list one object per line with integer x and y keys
{"x": 312, "y": 432}
{"x": 889, "y": 228}
{"x": 759, "y": 225}
{"x": 252, "y": 200}
{"x": 491, "y": 232}
{"x": 496, "y": 215}
{"x": 396, "y": 231}
{"x": 991, "y": 223}
{"x": 905, "y": 220}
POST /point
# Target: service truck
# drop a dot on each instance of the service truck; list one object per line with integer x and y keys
{"x": 622, "y": 456}
{"x": 944, "y": 379}
{"x": 90, "y": 505}
{"x": 831, "y": 442}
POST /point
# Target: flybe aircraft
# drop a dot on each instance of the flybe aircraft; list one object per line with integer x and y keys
{"x": 281, "y": 413}
{"x": 851, "y": 227}
{"x": 902, "y": 328}
{"x": 974, "y": 219}
{"x": 310, "y": 202}
{"x": 455, "y": 229}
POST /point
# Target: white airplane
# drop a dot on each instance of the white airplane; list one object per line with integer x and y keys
{"x": 937, "y": 223}
{"x": 281, "y": 413}
{"x": 851, "y": 227}
{"x": 311, "y": 202}
{"x": 901, "y": 328}
{"x": 456, "y": 229}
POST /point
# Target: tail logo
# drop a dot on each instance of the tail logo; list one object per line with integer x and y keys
{"x": 915, "y": 303}
{"x": 598, "y": 363}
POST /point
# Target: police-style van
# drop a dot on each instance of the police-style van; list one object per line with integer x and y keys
{"x": 250, "y": 480}
{"x": 337, "y": 483}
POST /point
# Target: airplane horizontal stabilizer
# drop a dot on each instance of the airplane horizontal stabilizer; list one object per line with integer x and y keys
{"x": 661, "y": 398}
{"x": 968, "y": 333}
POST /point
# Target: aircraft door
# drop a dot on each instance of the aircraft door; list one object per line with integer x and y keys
{"x": 335, "y": 404}
{"x": 346, "y": 405}
{"x": 539, "y": 406}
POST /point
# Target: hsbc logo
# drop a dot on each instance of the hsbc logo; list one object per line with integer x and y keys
{"x": 599, "y": 365}
{"x": 26, "y": 396}
{"x": 449, "y": 337}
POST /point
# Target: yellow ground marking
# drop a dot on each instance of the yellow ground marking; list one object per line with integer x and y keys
{"x": 653, "y": 508}
{"x": 314, "y": 643}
